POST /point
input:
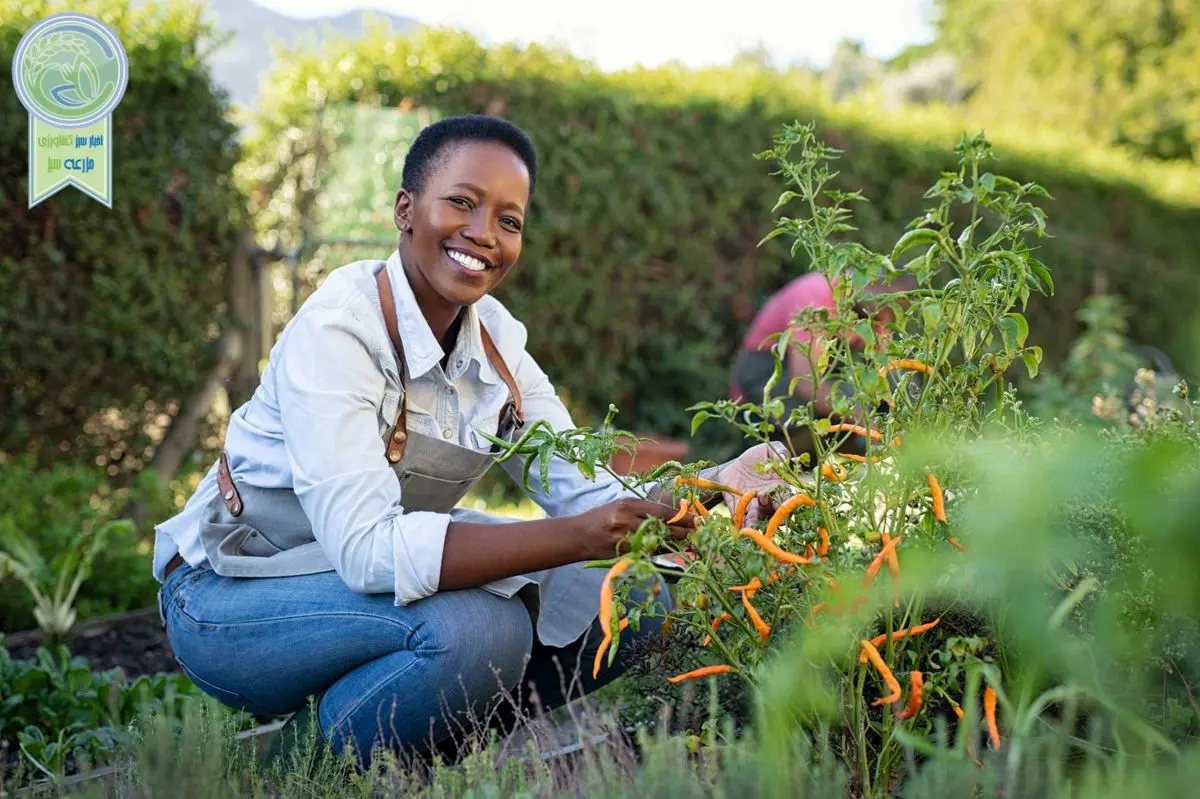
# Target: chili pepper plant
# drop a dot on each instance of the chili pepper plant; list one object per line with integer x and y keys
{"x": 864, "y": 520}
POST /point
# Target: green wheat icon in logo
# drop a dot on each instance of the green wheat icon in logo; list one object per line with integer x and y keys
{"x": 61, "y": 73}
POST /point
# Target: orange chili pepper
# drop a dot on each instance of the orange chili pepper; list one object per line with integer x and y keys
{"x": 773, "y": 549}
{"x": 889, "y": 547}
{"x": 916, "y": 684}
{"x": 699, "y": 508}
{"x": 939, "y": 502}
{"x": 824, "y": 548}
{"x": 704, "y": 485}
{"x": 858, "y": 429}
{"x": 850, "y": 456}
{"x": 764, "y": 629}
{"x": 606, "y": 600}
{"x": 743, "y": 504}
{"x": 874, "y": 435}
{"x": 906, "y": 363}
{"x": 683, "y": 511}
{"x": 888, "y": 678}
{"x": 724, "y": 617}
{"x": 607, "y": 641}
{"x": 989, "y": 713}
{"x": 707, "y": 671}
{"x": 750, "y": 588}
{"x": 954, "y": 542}
{"x": 893, "y": 565}
{"x": 786, "y": 509}
{"x": 881, "y": 640}
{"x": 833, "y": 472}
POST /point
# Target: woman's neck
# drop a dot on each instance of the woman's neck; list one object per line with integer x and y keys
{"x": 441, "y": 316}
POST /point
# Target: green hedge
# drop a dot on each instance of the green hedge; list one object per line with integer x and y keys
{"x": 109, "y": 315}
{"x": 641, "y": 267}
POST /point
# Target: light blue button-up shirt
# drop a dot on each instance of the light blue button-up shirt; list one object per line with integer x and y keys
{"x": 314, "y": 424}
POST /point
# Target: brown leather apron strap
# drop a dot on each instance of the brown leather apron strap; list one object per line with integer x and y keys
{"x": 229, "y": 492}
{"x": 500, "y": 366}
{"x": 398, "y": 436}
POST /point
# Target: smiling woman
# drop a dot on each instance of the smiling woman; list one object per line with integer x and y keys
{"x": 336, "y": 493}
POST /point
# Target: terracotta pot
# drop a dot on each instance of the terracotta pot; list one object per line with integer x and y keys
{"x": 650, "y": 454}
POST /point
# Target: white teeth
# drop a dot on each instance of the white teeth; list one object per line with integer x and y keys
{"x": 474, "y": 264}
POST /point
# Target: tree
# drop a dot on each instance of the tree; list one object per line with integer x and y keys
{"x": 1123, "y": 71}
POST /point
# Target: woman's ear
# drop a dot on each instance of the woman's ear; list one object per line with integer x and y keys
{"x": 403, "y": 210}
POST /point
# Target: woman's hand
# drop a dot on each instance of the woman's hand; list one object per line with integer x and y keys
{"x": 605, "y": 528}
{"x": 740, "y": 473}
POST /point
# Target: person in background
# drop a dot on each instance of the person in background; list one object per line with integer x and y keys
{"x": 754, "y": 364}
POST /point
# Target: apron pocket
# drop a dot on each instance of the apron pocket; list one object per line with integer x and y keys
{"x": 423, "y": 492}
{"x": 241, "y": 539}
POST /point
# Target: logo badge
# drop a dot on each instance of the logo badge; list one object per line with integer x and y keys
{"x": 70, "y": 71}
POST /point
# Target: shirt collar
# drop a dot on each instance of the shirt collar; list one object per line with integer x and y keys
{"x": 421, "y": 348}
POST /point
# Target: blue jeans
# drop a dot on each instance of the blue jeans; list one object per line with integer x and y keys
{"x": 398, "y": 677}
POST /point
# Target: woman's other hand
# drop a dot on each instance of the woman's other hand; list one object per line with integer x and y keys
{"x": 741, "y": 473}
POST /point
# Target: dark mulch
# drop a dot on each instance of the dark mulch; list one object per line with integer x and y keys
{"x": 136, "y": 643}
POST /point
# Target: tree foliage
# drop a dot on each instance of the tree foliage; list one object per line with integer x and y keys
{"x": 109, "y": 316}
{"x": 1124, "y": 72}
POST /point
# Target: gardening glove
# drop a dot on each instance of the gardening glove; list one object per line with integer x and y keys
{"x": 740, "y": 473}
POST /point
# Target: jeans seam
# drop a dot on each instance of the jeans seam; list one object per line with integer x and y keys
{"x": 324, "y": 614}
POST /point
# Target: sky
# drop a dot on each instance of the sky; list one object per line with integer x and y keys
{"x": 621, "y": 33}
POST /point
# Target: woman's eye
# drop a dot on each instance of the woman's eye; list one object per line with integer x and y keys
{"x": 461, "y": 202}
{"x": 511, "y": 223}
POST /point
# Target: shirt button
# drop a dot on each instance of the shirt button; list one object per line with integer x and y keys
{"x": 458, "y": 363}
{"x": 446, "y": 433}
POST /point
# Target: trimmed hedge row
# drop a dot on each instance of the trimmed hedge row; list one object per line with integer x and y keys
{"x": 108, "y": 316}
{"x": 641, "y": 267}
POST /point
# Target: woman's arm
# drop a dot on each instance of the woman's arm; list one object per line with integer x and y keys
{"x": 327, "y": 385}
{"x": 475, "y": 554}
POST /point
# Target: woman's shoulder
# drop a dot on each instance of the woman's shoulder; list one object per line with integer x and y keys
{"x": 346, "y": 298}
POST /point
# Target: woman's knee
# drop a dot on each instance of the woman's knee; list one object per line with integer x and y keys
{"x": 480, "y": 640}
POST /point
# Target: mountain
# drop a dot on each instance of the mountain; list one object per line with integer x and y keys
{"x": 241, "y": 63}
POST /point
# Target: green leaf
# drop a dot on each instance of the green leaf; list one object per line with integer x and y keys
{"x": 784, "y": 199}
{"x": 779, "y": 231}
{"x": 545, "y": 454}
{"x": 699, "y": 419}
{"x": 914, "y": 238}
{"x": 1013, "y": 331}
{"x": 1041, "y": 273}
{"x": 1033, "y": 359}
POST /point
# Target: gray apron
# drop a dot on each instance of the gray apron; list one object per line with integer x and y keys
{"x": 251, "y": 531}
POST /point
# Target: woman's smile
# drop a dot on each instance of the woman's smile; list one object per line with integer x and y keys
{"x": 475, "y": 265}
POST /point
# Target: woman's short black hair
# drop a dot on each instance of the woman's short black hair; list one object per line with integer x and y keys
{"x": 432, "y": 142}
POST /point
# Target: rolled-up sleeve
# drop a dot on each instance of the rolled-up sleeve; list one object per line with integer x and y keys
{"x": 329, "y": 388}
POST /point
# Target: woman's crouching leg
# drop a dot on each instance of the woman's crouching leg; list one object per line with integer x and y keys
{"x": 467, "y": 649}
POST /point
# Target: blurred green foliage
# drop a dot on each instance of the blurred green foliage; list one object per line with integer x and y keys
{"x": 1122, "y": 73}
{"x": 58, "y": 509}
{"x": 56, "y": 711}
{"x": 109, "y": 316}
{"x": 641, "y": 265}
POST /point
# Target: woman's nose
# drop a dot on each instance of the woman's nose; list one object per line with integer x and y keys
{"x": 480, "y": 231}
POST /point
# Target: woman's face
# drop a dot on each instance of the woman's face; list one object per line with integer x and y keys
{"x": 463, "y": 229}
